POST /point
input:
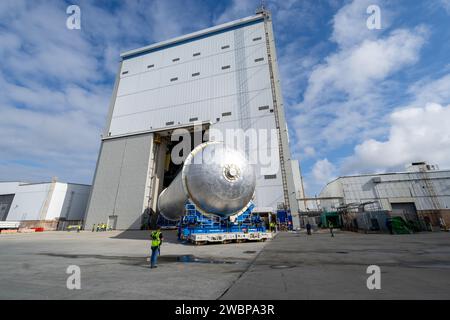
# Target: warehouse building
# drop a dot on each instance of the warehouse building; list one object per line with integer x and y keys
{"x": 217, "y": 79}
{"x": 420, "y": 195}
{"x": 51, "y": 205}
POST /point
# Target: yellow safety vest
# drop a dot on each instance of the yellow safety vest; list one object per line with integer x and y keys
{"x": 156, "y": 241}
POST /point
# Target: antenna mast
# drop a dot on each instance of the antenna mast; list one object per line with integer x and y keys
{"x": 262, "y": 8}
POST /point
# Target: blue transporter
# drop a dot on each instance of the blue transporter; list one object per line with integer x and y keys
{"x": 211, "y": 195}
{"x": 200, "y": 229}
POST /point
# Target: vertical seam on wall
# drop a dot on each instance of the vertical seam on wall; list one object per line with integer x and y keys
{"x": 112, "y": 103}
{"x": 241, "y": 83}
{"x": 120, "y": 176}
{"x": 44, "y": 209}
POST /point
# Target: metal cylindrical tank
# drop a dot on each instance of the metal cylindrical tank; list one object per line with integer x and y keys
{"x": 217, "y": 179}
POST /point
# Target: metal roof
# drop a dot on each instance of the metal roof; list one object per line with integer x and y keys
{"x": 192, "y": 36}
{"x": 24, "y": 183}
{"x": 384, "y": 174}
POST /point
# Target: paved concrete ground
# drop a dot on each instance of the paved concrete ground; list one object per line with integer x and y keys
{"x": 297, "y": 266}
{"x": 293, "y": 266}
{"x": 114, "y": 266}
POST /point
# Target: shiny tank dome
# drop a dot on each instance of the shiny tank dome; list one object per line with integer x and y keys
{"x": 216, "y": 178}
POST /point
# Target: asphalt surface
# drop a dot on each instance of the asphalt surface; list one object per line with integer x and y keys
{"x": 114, "y": 265}
{"x": 297, "y": 266}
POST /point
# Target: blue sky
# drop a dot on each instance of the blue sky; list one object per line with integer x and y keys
{"x": 357, "y": 100}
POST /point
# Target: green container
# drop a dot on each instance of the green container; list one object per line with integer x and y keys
{"x": 330, "y": 217}
{"x": 399, "y": 226}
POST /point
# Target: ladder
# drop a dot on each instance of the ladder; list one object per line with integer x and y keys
{"x": 430, "y": 188}
{"x": 275, "y": 107}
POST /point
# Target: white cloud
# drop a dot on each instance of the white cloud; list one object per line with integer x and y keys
{"x": 416, "y": 134}
{"x": 347, "y": 97}
{"x": 426, "y": 90}
{"x": 174, "y": 18}
{"x": 343, "y": 102}
{"x": 237, "y": 10}
{"x": 446, "y": 5}
{"x": 309, "y": 151}
{"x": 52, "y": 100}
{"x": 349, "y": 23}
{"x": 354, "y": 71}
{"x": 323, "y": 171}
{"x": 56, "y": 83}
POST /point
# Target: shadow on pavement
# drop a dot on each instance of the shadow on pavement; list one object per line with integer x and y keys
{"x": 140, "y": 261}
{"x": 170, "y": 236}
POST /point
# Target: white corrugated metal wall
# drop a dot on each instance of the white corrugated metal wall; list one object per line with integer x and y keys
{"x": 395, "y": 187}
{"x": 204, "y": 79}
{"x": 28, "y": 202}
{"x": 67, "y": 201}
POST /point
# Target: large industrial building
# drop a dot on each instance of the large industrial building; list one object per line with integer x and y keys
{"x": 51, "y": 205}
{"x": 220, "y": 78}
{"x": 421, "y": 194}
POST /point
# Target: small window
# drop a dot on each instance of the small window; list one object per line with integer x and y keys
{"x": 263, "y": 108}
{"x": 270, "y": 176}
{"x": 169, "y": 123}
{"x": 256, "y": 39}
{"x": 176, "y": 59}
{"x": 217, "y": 119}
{"x": 173, "y": 79}
{"x": 196, "y": 54}
{"x": 271, "y": 110}
{"x": 125, "y": 72}
{"x": 196, "y": 74}
{"x": 225, "y": 67}
{"x": 150, "y": 66}
{"x": 193, "y": 119}
{"x": 225, "y": 47}
{"x": 225, "y": 114}
{"x": 259, "y": 59}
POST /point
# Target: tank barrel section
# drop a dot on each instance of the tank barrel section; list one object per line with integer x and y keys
{"x": 217, "y": 179}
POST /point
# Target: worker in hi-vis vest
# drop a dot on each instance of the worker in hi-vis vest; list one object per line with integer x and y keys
{"x": 156, "y": 244}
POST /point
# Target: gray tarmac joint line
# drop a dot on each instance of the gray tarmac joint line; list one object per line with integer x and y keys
{"x": 297, "y": 266}
{"x": 114, "y": 265}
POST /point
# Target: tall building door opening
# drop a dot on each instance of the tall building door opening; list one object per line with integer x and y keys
{"x": 405, "y": 210}
{"x": 112, "y": 222}
{"x": 168, "y": 162}
{"x": 5, "y": 205}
